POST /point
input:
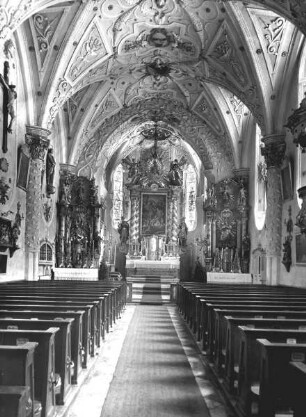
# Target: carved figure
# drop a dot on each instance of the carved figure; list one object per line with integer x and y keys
{"x": 301, "y": 217}
{"x": 182, "y": 234}
{"x": 211, "y": 196}
{"x": 124, "y": 231}
{"x": 11, "y": 98}
{"x": 226, "y": 194}
{"x": 50, "y": 171}
{"x": 3, "y": 191}
{"x": 175, "y": 171}
{"x": 287, "y": 260}
{"x": 133, "y": 174}
{"x": 242, "y": 196}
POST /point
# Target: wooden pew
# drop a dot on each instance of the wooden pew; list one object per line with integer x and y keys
{"x": 224, "y": 321}
{"x": 63, "y": 359}
{"x": 275, "y": 384}
{"x": 116, "y": 290}
{"x": 61, "y": 292}
{"x": 58, "y": 307}
{"x": 76, "y": 330}
{"x": 236, "y": 336}
{"x": 209, "y": 317}
{"x": 70, "y": 301}
{"x": 298, "y": 375}
{"x": 15, "y": 401}
{"x": 193, "y": 291}
{"x": 196, "y": 315}
{"x": 17, "y": 367}
{"x": 44, "y": 362}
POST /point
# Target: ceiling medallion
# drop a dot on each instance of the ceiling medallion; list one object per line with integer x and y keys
{"x": 158, "y": 69}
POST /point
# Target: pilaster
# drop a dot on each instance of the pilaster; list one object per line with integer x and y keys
{"x": 274, "y": 153}
{"x": 37, "y": 140}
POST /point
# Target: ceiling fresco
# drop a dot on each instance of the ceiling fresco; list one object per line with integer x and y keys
{"x": 200, "y": 67}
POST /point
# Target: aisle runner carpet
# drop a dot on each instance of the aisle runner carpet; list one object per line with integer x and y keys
{"x": 153, "y": 377}
{"x": 151, "y": 292}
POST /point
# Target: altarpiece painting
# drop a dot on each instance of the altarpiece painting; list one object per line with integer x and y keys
{"x": 153, "y": 214}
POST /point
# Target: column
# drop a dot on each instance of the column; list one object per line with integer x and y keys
{"x": 134, "y": 234}
{"x": 274, "y": 152}
{"x": 64, "y": 242}
{"x": 169, "y": 218}
{"x": 243, "y": 240}
{"x": 175, "y": 219}
{"x": 37, "y": 140}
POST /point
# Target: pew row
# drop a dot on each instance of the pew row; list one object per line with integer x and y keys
{"x": 46, "y": 380}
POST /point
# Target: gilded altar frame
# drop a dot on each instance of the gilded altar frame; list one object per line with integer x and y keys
{"x": 153, "y": 218}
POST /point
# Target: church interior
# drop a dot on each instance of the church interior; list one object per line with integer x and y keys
{"x": 152, "y": 208}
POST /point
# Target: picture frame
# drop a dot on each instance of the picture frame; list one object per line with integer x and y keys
{"x": 300, "y": 244}
{"x": 287, "y": 182}
{"x": 153, "y": 214}
{"x": 23, "y": 170}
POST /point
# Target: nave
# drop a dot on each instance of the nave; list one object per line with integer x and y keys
{"x": 69, "y": 349}
{"x": 153, "y": 368}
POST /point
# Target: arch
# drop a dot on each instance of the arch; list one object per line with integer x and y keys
{"x": 194, "y": 130}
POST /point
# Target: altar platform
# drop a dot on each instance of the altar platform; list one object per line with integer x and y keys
{"x": 81, "y": 274}
{"x": 229, "y": 278}
{"x": 164, "y": 267}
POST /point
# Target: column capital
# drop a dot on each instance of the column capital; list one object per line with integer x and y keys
{"x": 37, "y": 141}
{"x": 274, "y": 150}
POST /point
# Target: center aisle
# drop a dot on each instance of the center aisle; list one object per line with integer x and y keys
{"x": 153, "y": 376}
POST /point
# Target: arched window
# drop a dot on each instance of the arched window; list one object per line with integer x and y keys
{"x": 117, "y": 196}
{"x": 190, "y": 198}
{"x": 260, "y": 184}
{"x": 45, "y": 253}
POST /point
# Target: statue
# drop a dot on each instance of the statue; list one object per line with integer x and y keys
{"x": 11, "y": 98}
{"x": 124, "y": 231}
{"x": 134, "y": 166}
{"x": 182, "y": 234}
{"x": 211, "y": 199}
{"x": 174, "y": 174}
{"x": 242, "y": 196}
{"x": 287, "y": 260}
{"x": 50, "y": 171}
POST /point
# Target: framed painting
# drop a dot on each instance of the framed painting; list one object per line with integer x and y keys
{"x": 301, "y": 249}
{"x": 153, "y": 214}
{"x": 23, "y": 171}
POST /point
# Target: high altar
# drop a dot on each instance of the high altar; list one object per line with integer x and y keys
{"x": 155, "y": 226}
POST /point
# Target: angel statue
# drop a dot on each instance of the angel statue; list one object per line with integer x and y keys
{"x": 134, "y": 167}
{"x": 175, "y": 173}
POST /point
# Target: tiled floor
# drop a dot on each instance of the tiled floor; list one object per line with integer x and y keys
{"x": 88, "y": 400}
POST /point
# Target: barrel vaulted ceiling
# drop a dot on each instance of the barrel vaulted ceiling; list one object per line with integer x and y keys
{"x": 103, "y": 69}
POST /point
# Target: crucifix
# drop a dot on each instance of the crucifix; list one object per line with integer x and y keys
{"x": 9, "y": 97}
